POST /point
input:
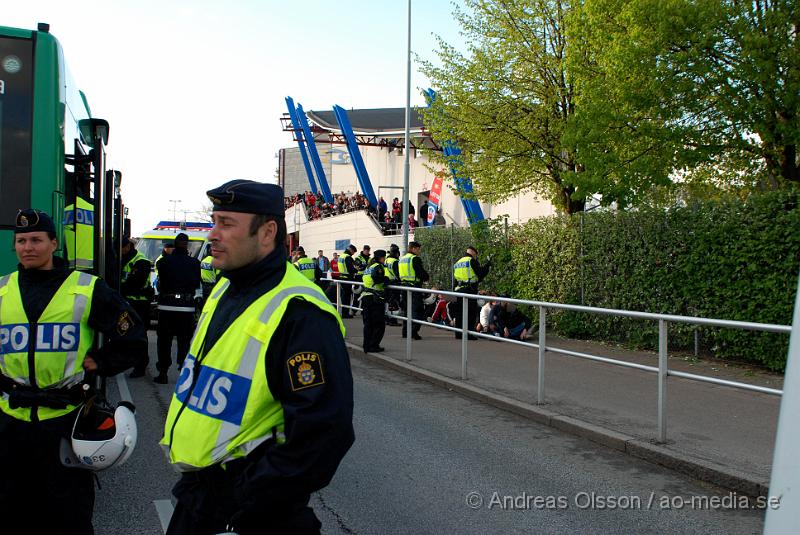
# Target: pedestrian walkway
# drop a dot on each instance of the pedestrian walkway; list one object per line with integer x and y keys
{"x": 720, "y": 434}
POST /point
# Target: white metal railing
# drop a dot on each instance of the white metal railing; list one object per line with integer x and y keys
{"x": 664, "y": 320}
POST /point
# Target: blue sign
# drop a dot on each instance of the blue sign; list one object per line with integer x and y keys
{"x": 341, "y": 244}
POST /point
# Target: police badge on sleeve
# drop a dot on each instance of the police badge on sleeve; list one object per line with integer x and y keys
{"x": 305, "y": 370}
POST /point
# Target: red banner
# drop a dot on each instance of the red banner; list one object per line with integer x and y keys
{"x": 435, "y": 198}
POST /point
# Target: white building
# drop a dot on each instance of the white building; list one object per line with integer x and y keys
{"x": 380, "y": 135}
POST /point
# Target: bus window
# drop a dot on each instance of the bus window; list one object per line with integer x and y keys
{"x": 16, "y": 124}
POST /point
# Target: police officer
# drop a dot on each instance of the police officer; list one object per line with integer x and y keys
{"x": 167, "y": 249}
{"x": 135, "y": 286}
{"x": 373, "y": 301}
{"x": 468, "y": 272}
{"x": 307, "y": 266}
{"x": 178, "y": 282}
{"x": 269, "y": 352}
{"x": 392, "y": 278}
{"x": 362, "y": 260}
{"x": 347, "y": 272}
{"x": 49, "y": 317}
{"x": 412, "y": 273}
{"x": 208, "y": 275}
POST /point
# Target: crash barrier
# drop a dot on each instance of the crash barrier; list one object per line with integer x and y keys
{"x": 663, "y": 320}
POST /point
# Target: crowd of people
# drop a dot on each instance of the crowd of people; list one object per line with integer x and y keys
{"x": 316, "y": 207}
{"x": 390, "y": 218}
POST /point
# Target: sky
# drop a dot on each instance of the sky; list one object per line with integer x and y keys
{"x": 194, "y": 90}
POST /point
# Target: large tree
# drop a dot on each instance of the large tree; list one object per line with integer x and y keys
{"x": 682, "y": 90}
{"x": 507, "y": 100}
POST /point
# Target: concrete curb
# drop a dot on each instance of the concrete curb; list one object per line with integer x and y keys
{"x": 701, "y": 469}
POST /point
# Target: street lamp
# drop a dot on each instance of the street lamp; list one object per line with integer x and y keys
{"x": 174, "y": 206}
{"x": 406, "y": 167}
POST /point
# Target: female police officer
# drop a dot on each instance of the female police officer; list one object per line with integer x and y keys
{"x": 262, "y": 411}
{"x": 48, "y": 319}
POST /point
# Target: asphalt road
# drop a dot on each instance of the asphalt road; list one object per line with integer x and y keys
{"x": 429, "y": 461}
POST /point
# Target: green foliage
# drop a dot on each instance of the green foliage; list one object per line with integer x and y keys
{"x": 705, "y": 90}
{"x": 507, "y": 100}
{"x": 726, "y": 259}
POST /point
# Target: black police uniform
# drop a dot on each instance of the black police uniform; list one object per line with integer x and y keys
{"x": 472, "y": 305}
{"x": 347, "y": 289}
{"x": 37, "y": 493}
{"x": 373, "y": 304}
{"x": 135, "y": 285}
{"x": 417, "y": 306}
{"x": 268, "y": 490}
{"x": 178, "y": 280}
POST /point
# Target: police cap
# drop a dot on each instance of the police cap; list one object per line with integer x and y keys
{"x": 31, "y": 220}
{"x": 379, "y": 253}
{"x": 300, "y": 250}
{"x": 249, "y": 197}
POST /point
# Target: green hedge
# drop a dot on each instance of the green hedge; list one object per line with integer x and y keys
{"x": 731, "y": 259}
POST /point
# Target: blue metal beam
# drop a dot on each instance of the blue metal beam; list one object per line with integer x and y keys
{"x": 301, "y": 143}
{"x": 463, "y": 183}
{"x": 312, "y": 150}
{"x": 355, "y": 155}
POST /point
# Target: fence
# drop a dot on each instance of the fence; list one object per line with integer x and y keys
{"x": 664, "y": 320}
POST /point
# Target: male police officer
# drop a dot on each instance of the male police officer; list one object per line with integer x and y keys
{"x": 347, "y": 272}
{"x": 413, "y": 274}
{"x": 49, "y": 316}
{"x": 373, "y": 302}
{"x": 307, "y": 266}
{"x": 178, "y": 282}
{"x": 362, "y": 260}
{"x": 135, "y": 286}
{"x": 392, "y": 277}
{"x": 208, "y": 275}
{"x": 467, "y": 273}
{"x": 262, "y": 412}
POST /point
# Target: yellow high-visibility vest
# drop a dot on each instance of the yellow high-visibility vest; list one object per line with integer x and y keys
{"x": 406, "y": 269}
{"x": 306, "y": 267}
{"x": 389, "y": 271}
{"x": 61, "y": 339}
{"x": 79, "y": 234}
{"x": 463, "y": 272}
{"x": 207, "y": 272}
{"x": 126, "y": 271}
{"x": 369, "y": 282}
{"x": 228, "y": 410}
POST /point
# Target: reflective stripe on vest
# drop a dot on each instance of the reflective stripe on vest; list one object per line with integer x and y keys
{"x": 306, "y": 267}
{"x": 369, "y": 283}
{"x": 406, "y": 268}
{"x": 207, "y": 272}
{"x": 62, "y": 338}
{"x": 79, "y": 234}
{"x": 128, "y": 268}
{"x": 463, "y": 272}
{"x": 228, "y": 411}
{"x": 389, "y": 271}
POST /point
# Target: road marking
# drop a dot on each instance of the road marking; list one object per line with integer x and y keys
{"x": 124, "y": 391}
{"x": 164, "y": 509}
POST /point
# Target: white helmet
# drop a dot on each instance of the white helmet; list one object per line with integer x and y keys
{"x": 102, "y": 437}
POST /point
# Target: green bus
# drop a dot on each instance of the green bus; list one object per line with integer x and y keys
{"x": 52, "y": 151}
